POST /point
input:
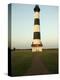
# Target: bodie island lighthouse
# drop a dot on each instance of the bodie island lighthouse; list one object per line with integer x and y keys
{"x": 36, "y": 43}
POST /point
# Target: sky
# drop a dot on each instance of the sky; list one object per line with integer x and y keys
{"x": 22, "y": 24}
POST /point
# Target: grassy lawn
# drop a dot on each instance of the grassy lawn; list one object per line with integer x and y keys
{"x": 22, "y": 61}
{"x": 50, "y": 58}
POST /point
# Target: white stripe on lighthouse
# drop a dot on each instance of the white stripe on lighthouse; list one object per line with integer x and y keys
{"x": 36, "y": 41}
{"x": 36, "y": 15}
{"x": 36, "y": 28}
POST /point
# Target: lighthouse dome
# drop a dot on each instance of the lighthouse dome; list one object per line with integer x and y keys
{"x": 36, "y": 9}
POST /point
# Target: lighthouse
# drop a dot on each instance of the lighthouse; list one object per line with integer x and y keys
{"x": 36, "y": 43}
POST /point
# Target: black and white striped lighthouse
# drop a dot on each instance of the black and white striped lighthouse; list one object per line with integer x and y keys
{"x": 36, "y": 44}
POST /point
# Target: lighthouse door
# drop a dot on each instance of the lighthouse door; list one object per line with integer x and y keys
{"x": 37, "y": 49}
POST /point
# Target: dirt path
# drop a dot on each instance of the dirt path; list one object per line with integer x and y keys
{"x": 38, "y": 66}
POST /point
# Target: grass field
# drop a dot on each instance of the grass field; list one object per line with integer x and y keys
{"x": 21, "y": 61}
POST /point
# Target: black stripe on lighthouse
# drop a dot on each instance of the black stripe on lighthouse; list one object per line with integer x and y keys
{"x": 36, "y": 21}
{"x": 36, "y": 35}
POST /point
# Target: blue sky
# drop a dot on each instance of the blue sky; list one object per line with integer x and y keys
{"x": 22, "y": 23}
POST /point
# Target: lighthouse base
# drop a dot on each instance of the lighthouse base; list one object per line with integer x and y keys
{"x": 36, "y": 49}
